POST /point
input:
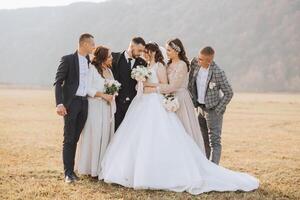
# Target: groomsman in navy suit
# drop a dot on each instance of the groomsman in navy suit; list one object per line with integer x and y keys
{"x": 71, "y": 99}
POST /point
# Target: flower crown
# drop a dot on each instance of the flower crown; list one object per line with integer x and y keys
{"x": 175, "y": 47}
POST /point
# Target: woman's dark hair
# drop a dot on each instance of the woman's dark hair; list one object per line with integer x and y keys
{"x": 153, "y": 47}
{"x": 177, "y": 45}
{"x": 100, "y": 56}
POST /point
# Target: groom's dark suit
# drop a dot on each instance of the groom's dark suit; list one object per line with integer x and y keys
{"x": 66, "y": 85}
{"x": 122, "y": 73}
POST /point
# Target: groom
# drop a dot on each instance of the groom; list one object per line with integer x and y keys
{"x": 123, "y": 63}
{"x": 210, "y": 92}
{"x": 71, "y": 99}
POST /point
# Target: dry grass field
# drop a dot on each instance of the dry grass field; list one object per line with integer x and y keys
{"x": 261, "y": 136}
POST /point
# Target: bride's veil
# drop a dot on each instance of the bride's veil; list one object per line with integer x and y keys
{"x": 164, "y": 53}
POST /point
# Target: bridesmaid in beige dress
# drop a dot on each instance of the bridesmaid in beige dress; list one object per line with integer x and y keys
{"x": 177, "y": 72}
{"x": 99, "y": 127}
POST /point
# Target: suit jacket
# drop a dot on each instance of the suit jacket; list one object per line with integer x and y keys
{"x": 122, "y": 73}
{"x": 216, "y": 83}
{"x": 67, "y": 79}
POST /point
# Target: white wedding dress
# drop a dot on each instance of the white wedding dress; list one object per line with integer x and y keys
{"x": 151, "y": 150}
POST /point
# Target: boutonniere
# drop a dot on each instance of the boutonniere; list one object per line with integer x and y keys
{"x": 212, "y": 85}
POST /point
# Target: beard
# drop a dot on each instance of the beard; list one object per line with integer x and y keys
{"x": 135, "y": 56}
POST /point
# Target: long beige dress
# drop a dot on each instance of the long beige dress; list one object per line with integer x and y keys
{"x": 98, "y": 129}
{"x": 178, "y": 82}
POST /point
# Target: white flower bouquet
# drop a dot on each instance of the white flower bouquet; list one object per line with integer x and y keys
{"x": 112, "y": 87}
{"x": 140, "y": 73}
{"x": 170, "y": 103}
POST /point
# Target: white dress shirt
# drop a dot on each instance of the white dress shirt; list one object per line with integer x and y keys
{"x": 201, "y": 84}
{"x": 83, "y": 76}
{"x": 132, "y": 59}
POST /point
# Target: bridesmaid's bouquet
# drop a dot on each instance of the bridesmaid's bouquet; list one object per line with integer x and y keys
{"x": 112, "y": 87}
{"x": 170, "y": 103}
{"x": 140, "y": 73}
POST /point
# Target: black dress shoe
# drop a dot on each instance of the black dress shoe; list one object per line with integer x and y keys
{"x": 94, "y": 177}
{"x": 75, "y": 177}
{"x": 69, "y": 179}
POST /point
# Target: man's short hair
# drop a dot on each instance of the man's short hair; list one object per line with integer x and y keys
{"x": 85, "y": 36}
{"x": 207, "y": 51}
{"x": 139, "y": 40}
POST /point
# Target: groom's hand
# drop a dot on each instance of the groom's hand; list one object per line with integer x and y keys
{"x": 61, "y": 110}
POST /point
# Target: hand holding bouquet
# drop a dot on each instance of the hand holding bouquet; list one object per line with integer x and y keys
{"x": 170, "y": 103}
{"x": 140, "y": 73}
{"x": 112, "y": 87}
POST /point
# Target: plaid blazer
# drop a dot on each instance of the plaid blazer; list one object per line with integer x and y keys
{"x": 216, "y": 84}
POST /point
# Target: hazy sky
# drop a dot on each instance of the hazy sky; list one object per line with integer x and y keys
{"x": 12, "y": 4}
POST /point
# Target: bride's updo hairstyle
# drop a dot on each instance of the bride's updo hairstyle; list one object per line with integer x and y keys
{"x": 100, "y": 56}
{"x": 153, "y": 47}
{"x": 177, "y": 46}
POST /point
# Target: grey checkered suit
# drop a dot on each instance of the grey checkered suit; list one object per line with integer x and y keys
{"x": 216, "y": 76}
{"x": 211, "y": 114}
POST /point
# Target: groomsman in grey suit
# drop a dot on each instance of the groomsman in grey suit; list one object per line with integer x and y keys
{"x": 210, "y": 92}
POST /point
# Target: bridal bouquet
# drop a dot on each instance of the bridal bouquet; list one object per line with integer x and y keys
{"x": 112, "y": 87}
{"x": 140, "y": 73}
{"x": 170, "y": 103}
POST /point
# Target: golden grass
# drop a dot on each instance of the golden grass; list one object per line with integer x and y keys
{"x": 261, "y": 136}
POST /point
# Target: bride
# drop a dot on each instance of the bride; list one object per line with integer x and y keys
{"x": 151, "y": 149}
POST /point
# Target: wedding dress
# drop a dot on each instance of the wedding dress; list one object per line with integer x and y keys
{"x": 151, "y": 150}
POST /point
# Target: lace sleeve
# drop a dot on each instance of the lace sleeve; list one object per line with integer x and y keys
{"x": 162, "y": 74}
{"x": 176, "y": 81}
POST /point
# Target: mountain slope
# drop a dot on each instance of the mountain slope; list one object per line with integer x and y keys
{"x": 256, "y": 42}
